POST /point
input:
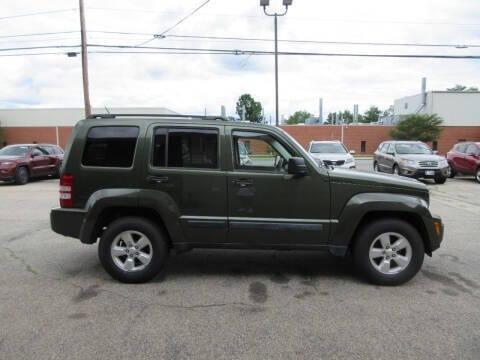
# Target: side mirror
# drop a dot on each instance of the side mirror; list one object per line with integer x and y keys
{"x": 296, "y": 166}
{"x": 352, "y": 152}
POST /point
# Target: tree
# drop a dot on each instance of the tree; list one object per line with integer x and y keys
{"x": 459, "y": 87}
{"x": 420, "y": 127}
{"x": 299, "y": 117}
{"x": 253, "y": 109}
{"x": 347, "y": 116}
{"x": 371, "y": 115}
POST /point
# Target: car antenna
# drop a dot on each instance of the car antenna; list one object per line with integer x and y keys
{"x": 106, "y": 109}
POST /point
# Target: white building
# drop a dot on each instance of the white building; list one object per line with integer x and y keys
{"x": 455, "y": 108}
{"x": 55, "y": 117}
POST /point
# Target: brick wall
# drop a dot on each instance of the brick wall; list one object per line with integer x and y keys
{"x": 353, "y": 135}
{"x": 374, "y": 135}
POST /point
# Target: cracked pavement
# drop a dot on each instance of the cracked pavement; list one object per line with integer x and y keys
{"x": 57, "y": 302}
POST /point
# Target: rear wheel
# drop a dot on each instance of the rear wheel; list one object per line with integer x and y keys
{"x": 388, "y": 252}
{"x": 21, "y": 176}
{"x": 375, "y": 167}
{"x": 133, "y": 250}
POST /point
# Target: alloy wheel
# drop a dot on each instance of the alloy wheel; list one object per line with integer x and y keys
{"x": 390, "y": 253}
{"x": 131, "y": 251}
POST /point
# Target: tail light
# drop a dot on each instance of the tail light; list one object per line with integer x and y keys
{"x": 66, "y": 191}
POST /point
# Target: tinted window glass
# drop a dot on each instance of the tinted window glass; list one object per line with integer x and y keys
{"x": 43, "y": 150}
{"x": 472, "y": 149}
{"x": 159, "y": 147}
{"x": 461, "y": 148}
{"x": 194, "y": 148}
{"x": 390, "y": 149}
{"x": 110, "y": 146}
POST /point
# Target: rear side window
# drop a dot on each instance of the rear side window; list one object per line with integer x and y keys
{"x": 110, "y": 146}
{"x": 186, "y": 148}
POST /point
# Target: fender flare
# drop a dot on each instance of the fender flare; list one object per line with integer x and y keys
{"x": 360, "y": 205}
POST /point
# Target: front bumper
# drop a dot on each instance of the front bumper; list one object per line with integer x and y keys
{"x": 435, "y": 231}
{"x": 67, "y": 222}
{"x": 7, "y": 174}
{"x": 424, "y": 173}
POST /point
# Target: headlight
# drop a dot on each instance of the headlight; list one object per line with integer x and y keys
{"x": 443, "y": 163}
{"x": 408, "y": 162}
{"x": 349, "y": 160}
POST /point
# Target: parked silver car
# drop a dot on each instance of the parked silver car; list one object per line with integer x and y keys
{"x": 411, "y": 158}
{"x": 332, "y": 153}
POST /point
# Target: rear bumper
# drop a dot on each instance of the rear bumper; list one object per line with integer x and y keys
{"x": 67, "y": 222}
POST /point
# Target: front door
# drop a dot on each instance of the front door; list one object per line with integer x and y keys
{"x": 41, "y": 162}
{"x": 185, "y": 170}
{"x": 266, "y": 205}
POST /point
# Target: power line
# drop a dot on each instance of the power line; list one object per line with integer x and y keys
{"x": 38, "y": 34}
{"x": 37, "y": 13}
{"x": 178, "y": 22}
{"x": 39, "y": 47}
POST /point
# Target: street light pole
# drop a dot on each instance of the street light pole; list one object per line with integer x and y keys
{"x": 264, "y": 4}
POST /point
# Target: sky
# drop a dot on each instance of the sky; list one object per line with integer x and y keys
{"x": 196, "y": 84}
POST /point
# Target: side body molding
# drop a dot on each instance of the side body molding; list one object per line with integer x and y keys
{"x": 362, "y": 204}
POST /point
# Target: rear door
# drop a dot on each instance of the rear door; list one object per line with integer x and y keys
{"x": 471, "y": 158}
{"x": 184, "y": 166}
{"x": 459, "y": 162}
{"x": 266, "y": 205}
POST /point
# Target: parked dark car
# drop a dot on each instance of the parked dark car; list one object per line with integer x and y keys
{"x": 464, "y": 158}
{"x": 19, "y": 163}
{"x": 145, "y": 185}
{"x": 410, "y": 158}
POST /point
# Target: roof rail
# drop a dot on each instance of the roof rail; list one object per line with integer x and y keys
{"x": 180, "y": 116}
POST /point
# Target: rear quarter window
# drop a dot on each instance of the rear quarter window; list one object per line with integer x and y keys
{"x": 110, "y": 146}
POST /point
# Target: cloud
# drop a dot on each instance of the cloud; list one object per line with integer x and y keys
{"x": 193, "y": 83}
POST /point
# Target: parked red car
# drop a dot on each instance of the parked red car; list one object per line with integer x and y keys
{"x": 19, "y": 163}
{"x": 464, "y": 158}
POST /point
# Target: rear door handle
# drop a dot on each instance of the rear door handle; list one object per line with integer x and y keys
{"x": 157, "y": 179}
{"x": 243, "y": 182}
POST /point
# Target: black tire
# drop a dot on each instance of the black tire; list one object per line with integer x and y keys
{"x": 159, "y": 251}
{"x": 477, "y": 175}
{"x": 375, "y": 167}
{"x": 440, "y": 180}
{"x": 56, "y": 175}
{"x": 21, "y": 175}
{"x": 452, "y": 172}
{"x": 369, "y": 233}
{"x": 396, "y": 170}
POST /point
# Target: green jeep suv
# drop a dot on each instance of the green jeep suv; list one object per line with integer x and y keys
{"x": 144, "y": 185}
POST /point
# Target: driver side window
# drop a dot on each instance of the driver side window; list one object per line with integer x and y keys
{"x": 259, "y": 151}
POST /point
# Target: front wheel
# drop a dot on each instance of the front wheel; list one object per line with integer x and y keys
{"x": 133, "y": 250}
{"x": 375, "y": 167}
{"x": 452, "y": 173}
{"x": 396, "y": 170}
{"x": 477, "y": 175}
{"x": 21, "y": 176}
{"x": 440, "y": 180}
{"x": 388, "y": 252}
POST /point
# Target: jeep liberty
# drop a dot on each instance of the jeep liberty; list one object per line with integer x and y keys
{"x": 143, "y": 185}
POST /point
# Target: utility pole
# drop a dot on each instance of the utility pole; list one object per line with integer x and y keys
{"x": 83, "y": 35}
{"x": 264, "y": 4}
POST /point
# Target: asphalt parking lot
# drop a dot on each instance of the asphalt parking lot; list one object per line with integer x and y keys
{"x": 57, "y": 302}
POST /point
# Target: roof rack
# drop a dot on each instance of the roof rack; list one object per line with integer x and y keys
{"x": 113, "y": 116}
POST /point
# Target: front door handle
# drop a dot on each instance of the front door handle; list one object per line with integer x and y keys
{"x": 243, "y": 182}
{"x": 157, "y": 179}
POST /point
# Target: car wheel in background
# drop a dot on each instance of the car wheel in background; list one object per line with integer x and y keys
{"x": 440, "y": 180}
{"x": 375, "y": 167}
{"x": 477, "y": 175}
{"x": 21, "y": 175}
{"x": 396, "y": 170}
{"x": 452, "y": 172}
{"x": 388, "y": 252}
{"x": 133, "y": 250}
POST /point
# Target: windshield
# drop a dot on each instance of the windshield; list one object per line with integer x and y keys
{"x": 14, "y": 150}
{"x": 327, "y": 148}
{"x": 412, "y": 149}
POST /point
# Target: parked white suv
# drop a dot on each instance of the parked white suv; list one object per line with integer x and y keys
{"x": 332, "y": 153}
